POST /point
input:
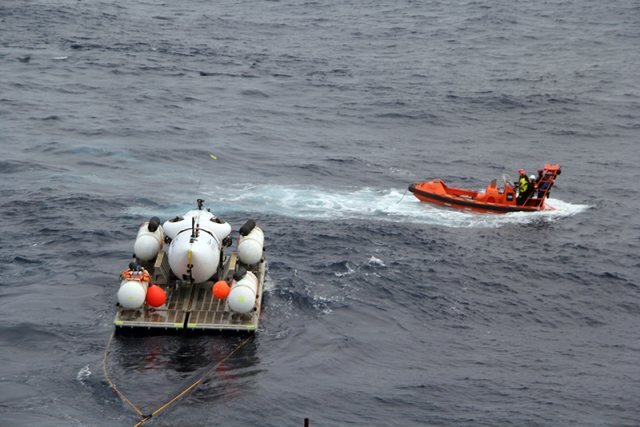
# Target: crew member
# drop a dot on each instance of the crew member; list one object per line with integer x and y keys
{"x": 543, "y": 185}
{"x": 533, "y": 186}
{"x": 523, "y": 187}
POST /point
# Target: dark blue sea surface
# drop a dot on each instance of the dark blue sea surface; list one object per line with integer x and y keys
{"x": 380, "y": 310}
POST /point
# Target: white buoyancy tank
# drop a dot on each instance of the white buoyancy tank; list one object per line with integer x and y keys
{"x": 132, "y": 293}
{"x": 199, "y": 253}
{"x": 250, "y": 246}
{"x": 149, "y": 240}
{"x": 242, "y": 298}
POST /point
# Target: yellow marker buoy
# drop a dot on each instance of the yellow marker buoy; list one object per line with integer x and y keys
{"x": 213, "y": 156}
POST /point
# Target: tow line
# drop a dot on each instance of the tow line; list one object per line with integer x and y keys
{"x": 146, "y": 417}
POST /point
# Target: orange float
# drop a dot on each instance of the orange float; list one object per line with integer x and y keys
{"x": 221, "y": 289}
{"x": 156, "y": 296}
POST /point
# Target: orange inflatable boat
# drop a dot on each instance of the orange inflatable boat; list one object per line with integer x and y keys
{"x": 492, "y": 199}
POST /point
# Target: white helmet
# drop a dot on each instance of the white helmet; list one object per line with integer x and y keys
{"x": 532, "y": 177}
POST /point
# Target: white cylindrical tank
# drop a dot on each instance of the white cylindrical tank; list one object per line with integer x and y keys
{"x": 242, "y": 297}
{"x": 250, "y": 246}
{"x": 132, "y": 293}
{"x": 148, "y": 243}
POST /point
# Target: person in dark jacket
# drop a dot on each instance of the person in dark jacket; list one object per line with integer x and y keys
{"x": 542, "y": 185}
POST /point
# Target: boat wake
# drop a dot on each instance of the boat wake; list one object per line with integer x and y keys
{"x": 371, "y": 204}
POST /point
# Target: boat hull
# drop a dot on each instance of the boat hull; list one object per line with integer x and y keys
{"x": 465, "y": 200}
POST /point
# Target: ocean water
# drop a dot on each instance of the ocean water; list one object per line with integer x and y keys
{"x": 380, "y": 310}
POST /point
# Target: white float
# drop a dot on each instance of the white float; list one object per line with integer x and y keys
{"x": 242, "y": 298}
{"x": 132, "y": 293}
{"x": 250, "y": 246}
{"x": 148, "y": 243}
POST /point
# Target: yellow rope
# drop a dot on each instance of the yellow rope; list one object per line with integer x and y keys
{"x": 202, "y": 378}
{"x": 199, "y": 381}
{"x": 142, "y": 421}
{"x": 106, "y": 376}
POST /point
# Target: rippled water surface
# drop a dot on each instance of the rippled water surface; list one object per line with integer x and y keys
{"x": 379, "y": 310}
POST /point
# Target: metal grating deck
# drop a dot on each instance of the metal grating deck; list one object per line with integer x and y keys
{"x": 194, "y": 307}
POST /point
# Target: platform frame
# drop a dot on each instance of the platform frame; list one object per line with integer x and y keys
{"x": 193, "y": 306}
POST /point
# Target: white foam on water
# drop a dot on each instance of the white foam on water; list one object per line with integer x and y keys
{"x": 269, "y": 283}
{"x": 370, "y": 204}
{"x": 83, "y": 374}
{"x": 376, "y": 261}
{"x": 349, "y": 272}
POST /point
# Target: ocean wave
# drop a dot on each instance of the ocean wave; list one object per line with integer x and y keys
{"x": 371, "y": 204}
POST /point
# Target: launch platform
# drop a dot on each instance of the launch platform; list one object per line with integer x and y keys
{"x": 192, "y": 306}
